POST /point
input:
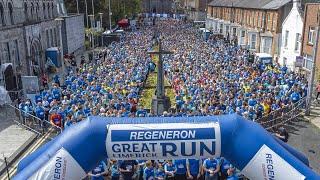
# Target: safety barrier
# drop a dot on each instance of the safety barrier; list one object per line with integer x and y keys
{"x": 31, "y": 122}
{"x": 282, "y": 116}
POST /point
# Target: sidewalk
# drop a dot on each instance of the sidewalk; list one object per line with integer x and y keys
{"x": 14, "y": 140}
{"x": 314, "y": 117}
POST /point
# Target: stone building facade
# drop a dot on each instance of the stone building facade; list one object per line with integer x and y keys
{"x": 255, "y": 25}
{"x": 27, "y": 29}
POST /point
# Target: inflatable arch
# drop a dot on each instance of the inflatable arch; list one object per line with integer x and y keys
{"x": 245, "y": 144}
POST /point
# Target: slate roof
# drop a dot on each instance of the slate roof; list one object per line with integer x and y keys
{"x": 253, "y": 4}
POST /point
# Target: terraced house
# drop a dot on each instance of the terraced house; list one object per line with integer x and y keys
{"x": 255, "y": 25}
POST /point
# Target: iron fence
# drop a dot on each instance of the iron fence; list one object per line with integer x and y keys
{"x": 282, "y": 116}
{"x": 31, "y": 122}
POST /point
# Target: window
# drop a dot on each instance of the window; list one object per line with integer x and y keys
{"x": 37, "y": 11}
{"x": 55, "y": 37}
{"x": 308, "y": 61}
{"x": 242, "y": 37}
{"x": 286, "y": 35}
{"x": 2, "y": 15}
{"x": 253, "y": 41}
{"x": 11, "y": 13}
{"x": 227, "y": 30}
{"x": 32, "y": 10}
{"x": 284, "y": 61}
{"x": 297, "y": 42}
{"x": 311, "y": 35}
{"x": 47, "y": 36}
{"x": 51, "y": 38}
{"x": 7, "y": 53}
{"x": 17, "y": 57}
{"x": 234, "y": 31}
{"x": 26, "y": 11}
{"x": 266, "y": 45}
{"x": 44, "y": 11}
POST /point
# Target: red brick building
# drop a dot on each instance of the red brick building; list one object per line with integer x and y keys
{"x": 311, "y": 14}
{"x": 256, "y": 24}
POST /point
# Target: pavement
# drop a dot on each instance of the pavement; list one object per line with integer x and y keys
{"x": 14, "y": 140}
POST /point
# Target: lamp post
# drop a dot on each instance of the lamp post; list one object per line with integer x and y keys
{"x": 92, "y": 36}
{"x": 100, "y": 14}
{"x": 110, "y": 13}
{"x": 77, "y": 6}
{"x": 60, "y": 20}
{"x": 85, "y": 1}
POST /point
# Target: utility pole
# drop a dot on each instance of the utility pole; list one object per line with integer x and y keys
{"x": 160, "y": 102}
{"x": 311, "y": 80}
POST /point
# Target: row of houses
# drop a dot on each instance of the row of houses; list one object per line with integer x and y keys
{"x": 285, "y": 29}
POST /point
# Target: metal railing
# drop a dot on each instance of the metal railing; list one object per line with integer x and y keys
{"x": 282, "y": 116}
{"x": 31, "y": 122}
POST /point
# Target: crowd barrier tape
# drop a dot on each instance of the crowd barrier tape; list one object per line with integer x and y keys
{"x": 246, "y": 144}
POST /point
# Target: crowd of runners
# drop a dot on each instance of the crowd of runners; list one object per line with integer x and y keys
{"x": 210, "y": 77}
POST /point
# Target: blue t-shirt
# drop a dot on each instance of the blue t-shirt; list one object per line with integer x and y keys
{"x": 160, "y": 173}
{"x": 210, "y": 164}
{"x": 233, "y": 177}
{"x": 225, "y": 166}
{"x": 115, "y": 171}
{"x": 39, "y": 112}
{"x": 194, "y": 165}
{"x": 148, "y": 173}
{"x": 295, "y": 97}
{"x": 181, "y": 166}
{"x": 97, "y": 170}
{"x": 169, "y": 168}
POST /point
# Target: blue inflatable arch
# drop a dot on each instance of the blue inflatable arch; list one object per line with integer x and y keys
{"x": 245, "y": 144}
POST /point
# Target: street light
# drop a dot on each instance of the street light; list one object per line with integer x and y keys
{"x": 85, "y": 1}
{"x": 92, "y": 36}
{"x": 77, "y": 6}
{"x": 100, "y": 14}
{"x": 59, "y": 20}
{"x": 110, "y": 13}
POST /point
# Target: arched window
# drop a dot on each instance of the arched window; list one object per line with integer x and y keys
{"x": 44, "y": 11}
{"x": 52, "y": 11}
{"x": 49, "y": 14}
{"x": 37, "y": 11}
{"x": 2, "y": 15}
{"x": 11, "y": 17}
{"x": 26, "y": 15}
{"x": 32, "y": 11}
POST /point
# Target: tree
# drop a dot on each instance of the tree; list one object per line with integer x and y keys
{"x": 120, "y": 9}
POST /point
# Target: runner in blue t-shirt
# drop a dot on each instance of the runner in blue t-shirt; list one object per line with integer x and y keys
{"x": 211, "y": 168}
{"x": 170, "y": 170}
{"x": 160, "y": 173}
{"x": 194, "y": 168}
{"x": 115, "y": 173}
{"x": 181, "y": 166}
{"x": 148, "y": 172}
{"x": 98, "y": 172}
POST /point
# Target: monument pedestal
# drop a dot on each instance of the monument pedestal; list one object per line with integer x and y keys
{"x": 159, "y": 105}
